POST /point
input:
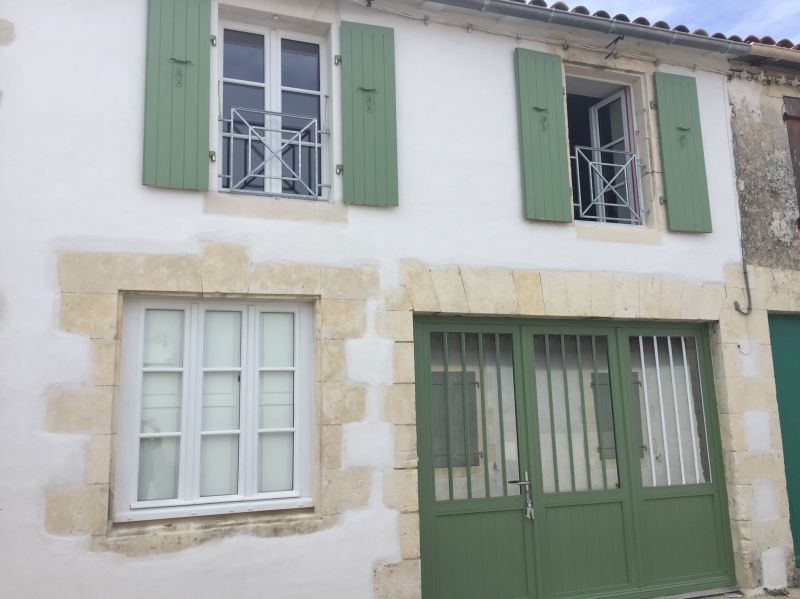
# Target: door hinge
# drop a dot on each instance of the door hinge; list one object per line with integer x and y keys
{"x": 337, "y": 59}
{"x": 339, "y": 169}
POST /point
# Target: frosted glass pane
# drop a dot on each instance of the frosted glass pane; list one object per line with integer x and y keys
{"x": 161, "y": 402}
{"x": 219, "y": 465}
{"x": 158, "y": 468}
{"x": 220, "y": 401}
{"x": 276, "y": 406}
{"x": 277, "y": 462}
{"x": 222, "y": 339}
{"x": 277, "y": 340}
{"x": 163, "y": 338}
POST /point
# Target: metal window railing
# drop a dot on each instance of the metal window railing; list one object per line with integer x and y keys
{"x": 612, "y": 193}
{"x": 272, "y": 153}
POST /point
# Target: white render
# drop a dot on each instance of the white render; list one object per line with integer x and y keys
{"x": 70, "y": 179}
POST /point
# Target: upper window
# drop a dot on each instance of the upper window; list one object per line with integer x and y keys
{"x": 215, "y": 411}
{"x": 605, "y": 175}
{"x": 271, "y": 114}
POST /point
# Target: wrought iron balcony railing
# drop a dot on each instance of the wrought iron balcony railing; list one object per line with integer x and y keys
{"x": 272, "y": 153}
{"x": 606, "y": 185}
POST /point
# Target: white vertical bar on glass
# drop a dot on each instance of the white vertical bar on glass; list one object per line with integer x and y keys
{"x": 677, "y": 415}
{"x": 703, "y": 409}
{"x": 690, "y": 404}
{"x": 661, "y": 410}
{"x": 647, "y": 413}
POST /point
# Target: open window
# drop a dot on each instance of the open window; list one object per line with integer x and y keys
{"x": 605, "y": 172}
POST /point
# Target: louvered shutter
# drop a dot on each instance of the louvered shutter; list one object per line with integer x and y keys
{"x": 685, "y": 184}
{"x": 369, "y": 128}
{"x": 543, "y": 137}
{"x": 177, "y": 80}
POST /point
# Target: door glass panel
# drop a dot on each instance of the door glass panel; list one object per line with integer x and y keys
{"x": 577, "y": 438}
{"x": 473, "y": 413}
{"x": 276, "y": 456}
{"x": 219, "y": 465}
{"x": 158, "y": 468}
{"x": 670, "y": 396}
{"x": 163, "y": 339}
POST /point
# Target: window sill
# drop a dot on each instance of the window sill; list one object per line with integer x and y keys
{"x": 616, "y": 233}
{"x": 274, "y": 207}
{"x": 212, "y": 509}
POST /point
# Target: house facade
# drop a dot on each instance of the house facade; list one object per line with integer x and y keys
{"x": 389, "y": 299}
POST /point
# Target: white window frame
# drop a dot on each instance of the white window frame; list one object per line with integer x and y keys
{"x": 127, "y": 507}
{"x": 273, "y": 86}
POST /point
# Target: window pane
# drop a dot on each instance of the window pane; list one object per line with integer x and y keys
{"x": 220, "y": 401}
{"x": 219, "y": 465}
{"x": 299, "y": 64}
{"x": 222, "y": 339}
{"x": 161, "y": 402}
{"x": 244, "y": 56}
{"x": 277, "y": 340}
{"x": 163, "y": 339}
{"x": 304, "y": 105}
{"x": 276, "y": 408}
{"x": 243, "y": 96}
{"x": 158, "y": 468}
{"x": 277, "y": 462}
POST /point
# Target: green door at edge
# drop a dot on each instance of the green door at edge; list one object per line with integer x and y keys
{"x": 568, "y": 460}
{"x": 784, "y": 332}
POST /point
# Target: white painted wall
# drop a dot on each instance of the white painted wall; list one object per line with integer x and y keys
{"x": 70, "y": 162}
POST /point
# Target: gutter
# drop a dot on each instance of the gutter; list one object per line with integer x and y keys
{"x": 511, "y": 8}
{"x": 775, "y": 53}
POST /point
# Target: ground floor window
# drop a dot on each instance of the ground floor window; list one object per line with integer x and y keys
{"x": 215, "y": 407}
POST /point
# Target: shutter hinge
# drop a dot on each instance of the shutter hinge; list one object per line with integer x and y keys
{"x": 339, "y": 169}
{"x": 213, "y": 40}
{"x": 337, "y": 59}
{"x": 653, "y": 104}
{"x": 212, "y": 155}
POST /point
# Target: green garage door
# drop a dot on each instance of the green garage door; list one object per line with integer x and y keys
{"x": 784, "y": 331}
{"x": 568, "y": 460}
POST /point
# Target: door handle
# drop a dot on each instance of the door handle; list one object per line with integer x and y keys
{"x": 525, "y": 484}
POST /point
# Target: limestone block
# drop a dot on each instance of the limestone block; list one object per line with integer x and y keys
{"x": 398, "y": 299}
{"x": 626, "y": 296}
{"x": 104, "y": 362}
{"x": 691, "y": 301}
{"x": 77, "y": 510}
{"x": 735, "y": 327}
{"x": 400, "y": 490}
{"x": 479, "y": 294}
{"x": 602, "y": 294}
{"x": 671, "y": 302}
{"x": 712, "y": 299}
{"x": 418, "y": 282}
{"x": 530, "y": 301}
{"x": 332, "y": 360}
{"x": 107, "y": 272}
{"x": 349, "y": 282}
{"x": 398, "y": 581}
{"x": 749, "y": 468}
{"x": 225, "y": 268}
{"x": 343, "y": 319}
{"x": 503, "y": 290}
{"x": 397, "y": 325}
{"x": 345, "y": 490}
{"x": 579, "y": 293}
{"x": 403, "y": 363}
{"x": 765, "y": 502}
{"x": 732, "y": 432}
{"x": 736, "y": 395}
{"x": 740, "y": 505}
{"x": 331, "y": 446}
{"x": 649, "y": 297}
{"x": 97, "y": 468}
{"x": 757, "y": 431}
{"x": 784, "y": 291}
{"x": 554, "y": 293}
{"x": 734, "y": 275}
{"x": 745, "y": 360}
{"x": 90, "y": 314}
{"x": 286, "y": 279}
{"x": 405, "y": 446}
{"x": 399, "y": 404}
{"x": 409, "y": 535}
{"x": 342, "y": 403}
{"x": 81, "y": 410}
{"x": 450, "y": 290}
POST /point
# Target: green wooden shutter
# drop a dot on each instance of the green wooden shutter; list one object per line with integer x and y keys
{"x": 686, "y": 188}
{"x": 177, "y": 94}
{"x": 369, "y": 128}
{"x": 543, "y": 137}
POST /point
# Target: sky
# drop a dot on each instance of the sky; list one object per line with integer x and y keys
{"x": 777, "y": 18}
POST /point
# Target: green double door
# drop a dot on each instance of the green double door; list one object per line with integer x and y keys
{"x": 567, "y": 459}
